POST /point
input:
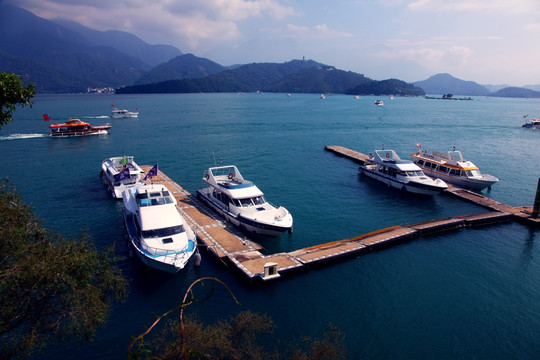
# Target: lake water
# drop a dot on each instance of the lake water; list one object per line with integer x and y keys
{"x": 472, "y": 293}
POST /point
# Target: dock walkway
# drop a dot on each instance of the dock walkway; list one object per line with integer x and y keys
{"x": 230, "y": 245}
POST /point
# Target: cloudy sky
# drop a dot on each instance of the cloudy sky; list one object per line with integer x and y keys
{"x": 487, "y": 41}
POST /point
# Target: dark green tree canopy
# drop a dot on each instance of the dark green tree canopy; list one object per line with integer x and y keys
{"x": 13, "y": 93}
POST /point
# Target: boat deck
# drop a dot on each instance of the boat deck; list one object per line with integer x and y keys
{"x": 230, "y": 245}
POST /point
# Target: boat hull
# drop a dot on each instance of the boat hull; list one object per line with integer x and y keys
{"x": 171, "y": 264}
{"x": 243, "y": 223}
{"x": 79, "y": 133}
{"x": 410, "y": 187}
{"x": 469, "y": 184}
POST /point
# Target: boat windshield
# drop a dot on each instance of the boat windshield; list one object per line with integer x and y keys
{"x": 254, "y": 201}
{"x": 168, "y": 231}
{"x": 473, "y": 173}
{"x": 415, "y": 173}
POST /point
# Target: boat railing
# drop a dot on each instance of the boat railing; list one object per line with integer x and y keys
{"x": 168, "y": 253}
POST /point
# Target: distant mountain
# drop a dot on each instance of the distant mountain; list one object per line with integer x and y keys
{"x": 447, "y": 84}
{"x": 296, "y": 76}
{"x": 127, "y": 43}
{"x": 532, "y": 87}
{"x": 181, "y": 67}
{"x": 516, "y": 92}
{"x": 493, "y": 88}
{"x": 60, "y": 60}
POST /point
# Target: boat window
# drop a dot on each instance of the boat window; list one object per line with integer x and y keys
{"x": 259, "y": 200}
{"x": 420, "y": 162}
{"x": 475, "y": 172}
{"x": 443, "y": 169}
{"x": 235, "y": 202}
{"x": 245, "y": 202}
{"x": 142, "y": 196}
{"x": 168, "y": 231}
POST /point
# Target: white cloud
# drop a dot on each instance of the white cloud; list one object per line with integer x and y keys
{"x": 173, "y": 21}
{"x": 321, "y": 31}
{"x": 482, "y": 6}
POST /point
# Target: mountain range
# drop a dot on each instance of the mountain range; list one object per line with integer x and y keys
{"x": 67, "y": 57}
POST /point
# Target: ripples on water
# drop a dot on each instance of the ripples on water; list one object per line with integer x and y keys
{"x": 465, "y": 294}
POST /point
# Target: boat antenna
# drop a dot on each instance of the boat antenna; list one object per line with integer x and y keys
{"x": 214, "y": 156}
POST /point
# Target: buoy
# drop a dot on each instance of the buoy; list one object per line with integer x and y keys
{"x": 197, "y": 258}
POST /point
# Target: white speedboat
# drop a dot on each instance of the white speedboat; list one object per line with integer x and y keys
{"x": 387, "y": 167}
{"x": 123, "y": 113}
{"x": 160, "y": 236}
{"x": 379, "y": 102}
{"x": 120, "y": 173}
{"x": 242, "y": 203}
{"x": 451, "y": 167}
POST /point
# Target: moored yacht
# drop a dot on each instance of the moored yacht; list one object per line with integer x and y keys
{"x": 120, "y": 173}
{"x": 242, "y": 203}
{"x": 387, "y": 167}
{"x": 453, "y": 168}
{"x": 160, "y": 236}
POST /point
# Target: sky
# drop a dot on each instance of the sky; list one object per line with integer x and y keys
{"x": 487, "y": 41}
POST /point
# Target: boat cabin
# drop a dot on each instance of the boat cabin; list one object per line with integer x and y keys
{"x": 153, "y": 197}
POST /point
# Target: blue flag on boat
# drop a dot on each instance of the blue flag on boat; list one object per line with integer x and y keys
{"x": 152, "y": 172}
{"x": 122, "y": 175}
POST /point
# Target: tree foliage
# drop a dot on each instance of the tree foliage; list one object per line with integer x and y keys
{"x": 238, "y": 338}
{"x": 12, "y": 93}
{"x": 50, "y": 287}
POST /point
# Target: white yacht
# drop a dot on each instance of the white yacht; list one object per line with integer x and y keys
{"x": 453, "y": 168}
{"x": 387, "y": 167}
{"x": 120, "y": 173}
{"x": 123, "y": 113}
{"x": 242, "y": 203}
{"x": 160, "y": 236}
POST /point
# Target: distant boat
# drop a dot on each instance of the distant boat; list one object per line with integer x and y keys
{"x": 534, "y": 123}
{"x": 379, "y": 103}
{"x": 322, "y": 96}
{"x": 123, "y": 113}
{"x": 357, "y": 97}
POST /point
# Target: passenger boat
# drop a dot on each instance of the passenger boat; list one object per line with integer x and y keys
{"x": 534, "y": 123}
{"x": 76, "y": 127}
{"x": 387, "y": 167}
{"x": 241, "y": 202}
{"x": 123, "y": 113}
{"x": 120, "y": 173}
{"x": 453, "y": 168}
{"x": 160, "y": 236}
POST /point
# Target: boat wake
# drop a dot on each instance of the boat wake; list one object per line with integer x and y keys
{"x": 97, "y": 117}
{"x": 21, "y": 136}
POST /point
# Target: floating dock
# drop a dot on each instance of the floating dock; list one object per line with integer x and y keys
{"x": 227, "y": 243}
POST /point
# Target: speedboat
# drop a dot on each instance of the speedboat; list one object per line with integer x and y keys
{"x": 242, "y": 203}
{"x": 534, "y": 123}
{"x": 160, "y": 236}
{"x": 379, "y": 103}
{"x": 387, "y": 167}
{"x": 76, "y": 127}
{"x": 120, "y": 173}
{"x": 123, "y": 113}
{"x": 453, "y": 168}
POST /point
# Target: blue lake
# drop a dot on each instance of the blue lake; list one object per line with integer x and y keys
{"x": 472, "y": 293}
